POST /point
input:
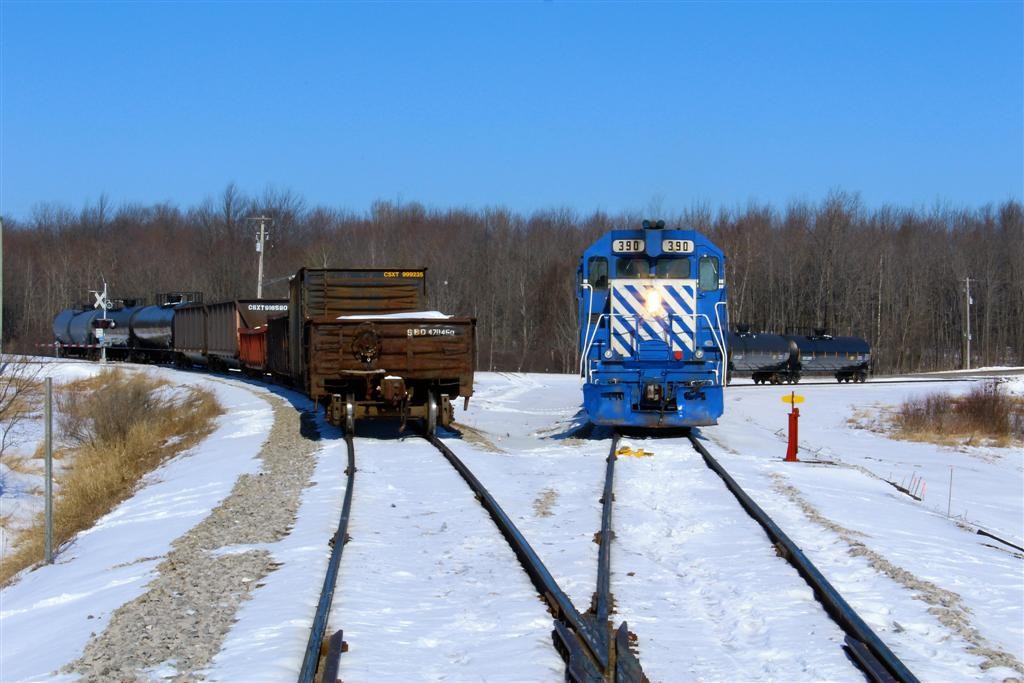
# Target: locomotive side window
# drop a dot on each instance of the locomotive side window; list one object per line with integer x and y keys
{"x": 675, "y": 268}
{"x": 597, "y": 272}
{"x": 632, "y": 268}
{"x": 708, "y": 273}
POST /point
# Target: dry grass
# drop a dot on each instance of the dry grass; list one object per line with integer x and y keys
{"x": 21, "y": 464}
{"x": 544, "y": 503}
{"x": 985, "y": 416}
{"x": 117, "y": 427}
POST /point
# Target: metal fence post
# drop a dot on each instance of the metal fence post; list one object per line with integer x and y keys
{"x": 49, "y": 470}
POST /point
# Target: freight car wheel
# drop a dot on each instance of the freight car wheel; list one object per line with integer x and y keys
{"x": 350, "y": 414}
{"x": 431, "y": 413}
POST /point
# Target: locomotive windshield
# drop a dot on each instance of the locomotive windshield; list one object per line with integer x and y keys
{"x": 631, "y": 268}
{"x": 708, "y": 273}
{"x": 674, "y": 268}
{"x": 668, "y": 268}
{"x": 597, "y": 272}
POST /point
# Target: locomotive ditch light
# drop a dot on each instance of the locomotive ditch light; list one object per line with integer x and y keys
{"x": 699, "y": 353}
{"x": 608, "y": 354}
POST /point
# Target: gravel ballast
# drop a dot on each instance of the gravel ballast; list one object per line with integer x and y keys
{"x": 178, "y": 625}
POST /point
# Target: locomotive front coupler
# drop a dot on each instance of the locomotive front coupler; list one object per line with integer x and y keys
{"x": 694, "y": 392}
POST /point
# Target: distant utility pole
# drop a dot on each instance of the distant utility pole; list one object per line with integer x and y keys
{"x": 261, "y": 238}
{"x": 967, "y": 334}
{"x": 1, "y": 286}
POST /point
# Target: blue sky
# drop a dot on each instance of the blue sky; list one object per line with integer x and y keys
{"x": 529, "y": 105}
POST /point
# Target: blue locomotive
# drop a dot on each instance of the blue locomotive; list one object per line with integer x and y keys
{"x": 652, "y": 310}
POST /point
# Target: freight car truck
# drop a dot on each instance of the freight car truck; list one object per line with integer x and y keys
{"x": 360, "y": 342}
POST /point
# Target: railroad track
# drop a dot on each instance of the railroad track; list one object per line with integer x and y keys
{"x": 585, "y": 640}
{"x": 863, "y": 646}
{"x": 315, "y": 658}
{"x": 877, "y": 382}
{"x": 593, "y": 647}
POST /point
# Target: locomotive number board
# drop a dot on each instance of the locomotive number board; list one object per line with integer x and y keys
{"x": 628, "y": 246}
{"x": 677, "y": 246}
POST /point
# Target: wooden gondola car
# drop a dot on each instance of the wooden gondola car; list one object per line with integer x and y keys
{"x": 360, "y": 342}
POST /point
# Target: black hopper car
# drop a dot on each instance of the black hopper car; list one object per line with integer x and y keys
{"x": 786, "y": 359}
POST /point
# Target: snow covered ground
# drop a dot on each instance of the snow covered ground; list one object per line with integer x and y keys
{"x": 429, "y": 591}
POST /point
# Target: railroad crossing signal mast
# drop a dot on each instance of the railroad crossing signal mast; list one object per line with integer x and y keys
{"x": 102, "y": 302}
{"x": 261, "y": 238}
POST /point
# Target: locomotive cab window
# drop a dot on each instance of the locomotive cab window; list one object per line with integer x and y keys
{"x": 632, "y": 268}
{"x": 597, "y": 272}
{"x": 674, "y": 268}
{"x": 708, "y": 273}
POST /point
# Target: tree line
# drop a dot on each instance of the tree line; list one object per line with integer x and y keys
{"x": 893, "y": 275}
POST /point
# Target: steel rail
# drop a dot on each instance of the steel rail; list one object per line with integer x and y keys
{"x": 604, "y": 554}
{"x": 323, "y": 609}
{"x": 863, "y": 645}
{"x": 625, "y": 667}
{"x": 580, "y": 669}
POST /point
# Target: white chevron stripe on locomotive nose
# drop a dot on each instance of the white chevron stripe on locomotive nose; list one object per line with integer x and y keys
{"x": 676, "y": 323}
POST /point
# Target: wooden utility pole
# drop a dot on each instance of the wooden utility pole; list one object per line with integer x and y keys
{"x": 261, "y": 240}
{"x": 967, "y": 331}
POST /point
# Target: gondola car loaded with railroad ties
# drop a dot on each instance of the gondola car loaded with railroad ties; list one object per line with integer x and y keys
{"x": 652, "y": 310}
{"x": 357, "y": 341}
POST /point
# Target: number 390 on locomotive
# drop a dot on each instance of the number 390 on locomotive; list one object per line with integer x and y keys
{"x": 652, "y": 310}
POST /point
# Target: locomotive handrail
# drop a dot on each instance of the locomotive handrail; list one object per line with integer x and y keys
{"x": 725, "y": 350}
{"x": 587, "y": 338}
{"x": 718, "y": 336}
{"x": 720, "y": 372}
{"x": 586, "y": 351}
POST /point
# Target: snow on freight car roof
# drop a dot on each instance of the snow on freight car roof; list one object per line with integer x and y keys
{"x": 418, "y": 315}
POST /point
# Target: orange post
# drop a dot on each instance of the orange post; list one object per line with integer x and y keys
{"x": 794, "y": 417}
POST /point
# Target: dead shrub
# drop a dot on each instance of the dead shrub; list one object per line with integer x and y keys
{"x": 88, "y": 417}
{"x": 986, "y": 414}
{"x": 117, "y": 427}
{"x": 19, "y": 393}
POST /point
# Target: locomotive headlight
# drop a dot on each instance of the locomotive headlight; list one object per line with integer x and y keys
{"x": 652, "y": 302}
